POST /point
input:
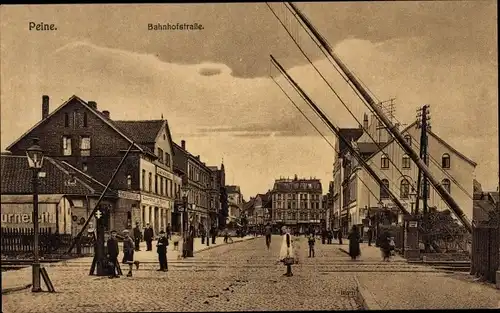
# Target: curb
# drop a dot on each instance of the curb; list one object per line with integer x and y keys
{"x": 212, "y": 247}
{"x": 14, "y": 289}
{"x": 365, "y": 297}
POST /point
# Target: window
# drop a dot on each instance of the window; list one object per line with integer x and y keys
{"x": 84, "y": 119}
{"x": 160, "y": 155}
{"x": 129, "y": 181}
{"x": 446, "y": 184}
{"x": 66, "y": 145}
{"x": 384, "y": 193}
{"x": 66, "y": 120}
{"x": 143, "y": 179}
{"x": 167, "y": 159}
{"x": 162, "y": 190}
{"x": 85, "y": 146}
{"x": 404, "y": 190}
{"x": 150, "y": 182}
{"x": 406, "y": 162}
{"x": 445, "y": 161}
{"x": 156, "y": 184}
{"x": 384, "y": 161}
{"x": 408, "y": 139}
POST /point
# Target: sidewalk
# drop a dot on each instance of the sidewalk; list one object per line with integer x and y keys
{"x": 20, "y": 279}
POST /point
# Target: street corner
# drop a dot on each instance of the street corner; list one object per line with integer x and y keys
{"x": 364, "y": 297}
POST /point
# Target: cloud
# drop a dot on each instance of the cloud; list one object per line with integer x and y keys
{"x": 209, "y": 71}
{"x": 221, "y": 114}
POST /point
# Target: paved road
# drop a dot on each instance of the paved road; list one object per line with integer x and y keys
{"x": 242, "y": 277}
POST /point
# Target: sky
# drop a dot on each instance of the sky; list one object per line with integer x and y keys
{"x": 215, "y": 86}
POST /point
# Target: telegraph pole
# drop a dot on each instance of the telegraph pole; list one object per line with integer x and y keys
{"x": 423, "y": 117}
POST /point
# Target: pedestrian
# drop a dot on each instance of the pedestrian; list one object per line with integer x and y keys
{"x": 226, "y": 235}
{"x": 268, "y": 232}
{"x": 340, "y": 236}
{"x": 329, "y": 237}
{"x": 202, "y": 233}
{"x": 169, "y": 232}
{"x": 176, "y": 238}
{"x": 384, "y": 244}
{"x": 286, "y": 252}
{"x": 354, "y": 238}
{"x": 370, "y": 236}
{"x": 311, "y": 241}
{"x": 112, "y": 255}
{"x": 137, "y": 236}
{"x": 161, "y": 249}
{"x": 148, "y": 237}
{"x": 213, "y": 233}
{"x": 128, "y": 252}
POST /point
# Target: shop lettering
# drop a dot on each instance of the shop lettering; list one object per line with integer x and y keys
{"x": 163, "y": 173}
{"x": 23, "y": 218}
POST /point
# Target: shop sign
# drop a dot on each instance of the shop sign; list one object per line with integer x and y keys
{"x": 129, "y": 195}
{"x": 162, "y": 172}
{"x": 154, "y": 201}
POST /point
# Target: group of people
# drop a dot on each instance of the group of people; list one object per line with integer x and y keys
{"x": 384, "y": 242}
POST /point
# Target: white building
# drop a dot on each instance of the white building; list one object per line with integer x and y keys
{"x": 356, "y": 191}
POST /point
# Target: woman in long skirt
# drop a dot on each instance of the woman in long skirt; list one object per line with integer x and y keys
{"x": 286, "y": 253}
{"x": 354, "y": 238}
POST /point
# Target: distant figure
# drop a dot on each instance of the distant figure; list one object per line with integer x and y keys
{"x": 137, "y": 236}
{"x": 176, "y": 238}
{"x": 340, "y": 236}
{"x": 311, "y": 241}
{"x": 214, "y": 234}
{"x": 169, "y": 232}
{"x": 354, "y": 238}
{"x": 268, "y": 231}
{"x": 148, "y": 237}
{"x": 128, "y": 251}
{"x": 370, "y": 236}
{"x": 112, "y": 254}
{"x": 329, "y": 237}
{"x": 161, "y": 249}
{"x": 286, "y": 252}
{"x": 384, "y": 244}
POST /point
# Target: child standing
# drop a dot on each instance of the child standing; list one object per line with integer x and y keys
{"x": 311, "y": 241}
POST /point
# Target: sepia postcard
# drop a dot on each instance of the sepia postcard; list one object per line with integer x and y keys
{"x": 249, "y": 156}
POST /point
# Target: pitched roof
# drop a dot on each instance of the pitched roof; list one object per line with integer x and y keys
{"x": 88, "y": 107}
{"x": 143, "y": 132}
{"x": 433, "y": 135}
{"x": 232, "y": 189}
{"x": 213, "y": 168}
{"x": 16, "y": 178}
{"x": 366, "y": 149}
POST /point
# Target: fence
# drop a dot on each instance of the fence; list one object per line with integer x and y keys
{"x": 485, "y": 252}
{"x": 20, "y": 241}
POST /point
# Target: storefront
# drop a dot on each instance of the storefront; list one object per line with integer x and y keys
{"x": 127, "y": 211}
{"x": 54, "y": 212}
{"x": 155, "y": 212}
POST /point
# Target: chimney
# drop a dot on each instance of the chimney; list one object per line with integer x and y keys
{"x": 45, "y": 106}
{"x": 365, "y": 121}
{"x": 198, "y": 157}
{"x": 106, "y": 114}
{"x": 93, "y": 104}
{"x": 183, "y": 144}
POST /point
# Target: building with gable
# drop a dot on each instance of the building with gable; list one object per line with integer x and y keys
{"x": 87, "y": 139}
{"x": 357, "y": 194}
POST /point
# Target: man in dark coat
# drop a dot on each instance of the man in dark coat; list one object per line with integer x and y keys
{"x": 161, "y": 249}
{"x": 137, "y": 236}
{"x": 169, "y": 232}
{"x": 214, "y": 234}
{"x": 112, "y": 254}
{"x": 370, "y": 236}
{"x": 354, "y": 238}
{"x": 148, "y": 237}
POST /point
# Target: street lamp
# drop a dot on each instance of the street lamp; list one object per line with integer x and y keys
{"x": 184, "y": 222}
{"x": 35, "y": 162}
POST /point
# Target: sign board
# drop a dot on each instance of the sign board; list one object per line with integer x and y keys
{"x": 412, "y": 224}
{"x": 163, "y": 172}
{"x": 154, "y": 201}
{"x": 129, "y": 195}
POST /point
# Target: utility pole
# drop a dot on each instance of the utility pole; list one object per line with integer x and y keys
{"x": 423, "y": 116}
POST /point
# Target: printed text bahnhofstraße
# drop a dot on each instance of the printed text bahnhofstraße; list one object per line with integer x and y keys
{"x": 176, "y": 26}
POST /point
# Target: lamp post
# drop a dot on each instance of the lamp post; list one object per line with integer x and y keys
{"x": 184, "y": 228}
{"x": 35, "y": 162}
{"x": 411, "y": 249}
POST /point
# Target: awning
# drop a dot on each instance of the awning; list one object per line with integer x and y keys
{"x": 22, "y": 199}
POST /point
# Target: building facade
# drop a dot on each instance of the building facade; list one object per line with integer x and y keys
{"x": 358, "y": 195}
{"x": 297, "y": 203}
{"x": 89, "y": 140}
{"x": 235, "y": 202}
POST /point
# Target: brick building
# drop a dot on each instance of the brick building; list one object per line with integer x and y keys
{"x": 89, "y": 140}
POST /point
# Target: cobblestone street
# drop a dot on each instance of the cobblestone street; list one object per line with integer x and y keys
{"x": 243, "y": 276}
